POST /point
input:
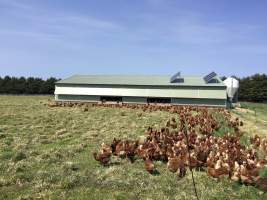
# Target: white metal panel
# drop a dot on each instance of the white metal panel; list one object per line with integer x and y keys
{"x": 139, "y": 92}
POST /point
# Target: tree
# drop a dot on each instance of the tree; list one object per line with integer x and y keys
{"x": 253, "y": 88}
{"x": 6, "y": 85}
{"x": 48, "y": 86}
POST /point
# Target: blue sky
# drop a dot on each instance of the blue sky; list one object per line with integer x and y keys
{"x": 64, "y": 37}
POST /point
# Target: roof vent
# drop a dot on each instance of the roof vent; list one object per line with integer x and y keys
{"x": 176, "y": 78}
{"x": 210, "y": 78}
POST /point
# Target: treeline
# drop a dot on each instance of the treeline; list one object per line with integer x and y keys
{"x": 31, "y": 85}
{"x": 252, "y": 88}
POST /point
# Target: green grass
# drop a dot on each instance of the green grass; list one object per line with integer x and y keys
{"x": 47, "y": 153}
{"x": 255, "y": 117}
{"x": 259, "y": 111}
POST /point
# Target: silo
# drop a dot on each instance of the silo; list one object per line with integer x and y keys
{"x": 232, "y": 89}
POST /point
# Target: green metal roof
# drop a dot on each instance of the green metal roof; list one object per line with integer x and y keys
{"x": 137, "y": 80}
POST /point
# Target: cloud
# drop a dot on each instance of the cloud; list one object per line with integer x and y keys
{"x": 16, "y": 4}
{"x": 214, "y": 33}
{"x": 31, "y": 34}
{"x": 154, "y": 32}
{"x": 73, "y": 25}
{"x": 63, "y": 27}
{"x": 192, "y": 29}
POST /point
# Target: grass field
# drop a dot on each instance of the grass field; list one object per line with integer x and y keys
{"x": 46, "y": 153}
{"x": 255, "y": 116}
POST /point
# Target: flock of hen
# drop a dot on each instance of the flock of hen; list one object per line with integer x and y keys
{"x": 189, "y": 142}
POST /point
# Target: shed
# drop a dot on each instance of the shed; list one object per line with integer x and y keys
{"x": 176, "y": 89}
